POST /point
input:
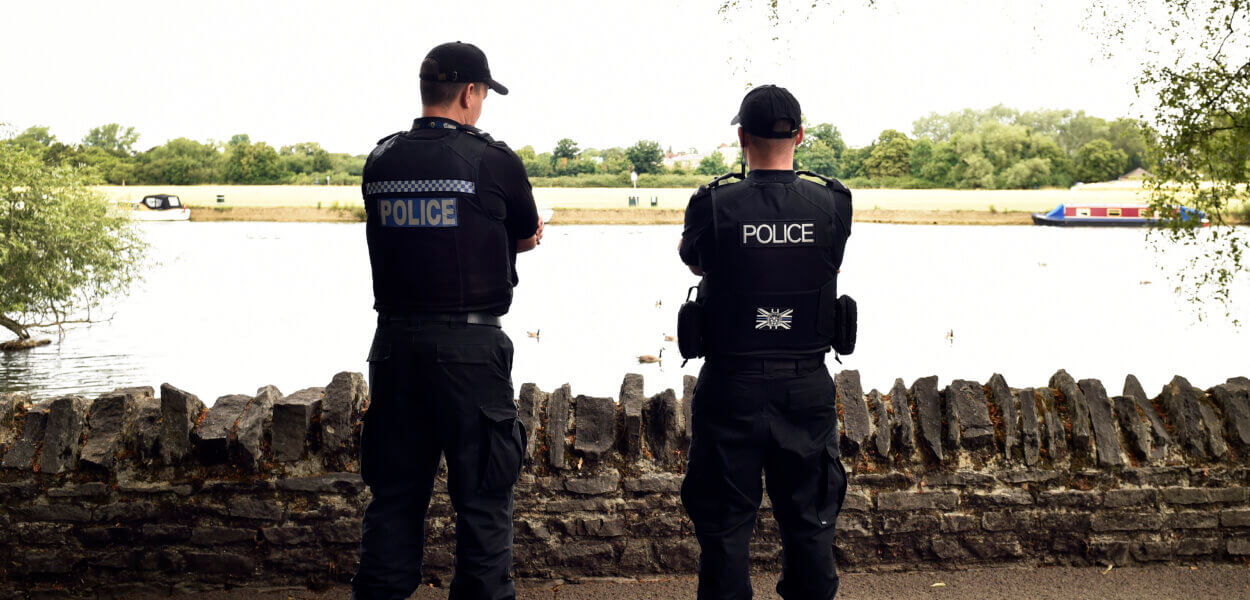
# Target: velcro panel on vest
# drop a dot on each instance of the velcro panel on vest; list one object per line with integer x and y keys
{"x": 770, "y": 321}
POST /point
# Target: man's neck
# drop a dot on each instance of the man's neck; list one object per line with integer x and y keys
{"x": 786, "y": 164}
{"x": 443, "y": 112}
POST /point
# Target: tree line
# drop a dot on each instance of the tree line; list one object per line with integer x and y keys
{"x": 994, "y": 148}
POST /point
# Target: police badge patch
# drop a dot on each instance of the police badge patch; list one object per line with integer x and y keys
{"x": 773, "y": 318}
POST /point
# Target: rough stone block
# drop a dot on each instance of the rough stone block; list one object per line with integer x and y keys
{"x": 917, "y": 501}
{"x": 142, "y": 433}
{"x": 594, "y": 425}
{"x": 1130, "y": 497}
{"x": 856, "y": 424}
{"x": 1006, "y": 497}
{"x": 346, "y": 399}
{"x": 67, "y": 416}
{"x": 342, "y": 531}
{"x": 968, "y": 412}
{"x": 632, "y": 402}
{"x": 126, "y": 511}
{"x": 216, "y": 536}
{"x": 179, "y": 413}
{"x": 1007, "y": 521}
{"x": 1055, "y": 436}
{"x": 1193, "y": 520}
{"x": 1239, "y": 546}
{"x": 956, "y": 522}
{"x": 1214, "y": 430}
{"x": 292, "y": 420}
{"x": 654, "y": 483}
{"x": 221, "y": 563}
{"x": 856, "y": 501}
{"x": 558, "y": 426}
{"x": 1070, "y": 498}
{"x": 212, "y": 436}
{"x": 910, "y": 522}
{"x": 1030, "y": 438}
{"x": 1235, "y": 518}
{"x": 1001, "y": 396}
{"x": 1126, "y": 521}
{"x": 883, "y": 427}
{"x": 1199, "y": 546}
{"x": 290, "y": 535}
{"x": 924, "y": 393}
{"x": 1160, "y": 439}
{"x": 105, "y": 421}
{"x": 12, "y": 406}
{"x": 326, "y": 483}
{"x": 688, "y": 383}
{"x": 530, "y": 404}
{"x": 21, "y": 453}
{"x": 254, "y": 508}
{"x": 1077, "y": 411}
{"x": 1186, "y": 496}
{"x": 1182, "y": 402}
{"x": 1233, "y": 398}
{"x": 1106, "y": 436}
{"x": 248, "y": 435}
{"x": 603, "y": 483}
{"x": 1134, "y": 425}
{"x": 904, "y": 428}
{"x": 665, "y": 428}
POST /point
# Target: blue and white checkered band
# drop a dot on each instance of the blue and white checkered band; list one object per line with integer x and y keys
{"x": 434, "y": 124}
{"x": 416, "y": 186}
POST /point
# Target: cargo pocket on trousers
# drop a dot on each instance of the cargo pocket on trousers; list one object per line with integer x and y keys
{"x": 503, "y": 445}
{"x": 834, "y": 492}
{"x": 380, "y": 349}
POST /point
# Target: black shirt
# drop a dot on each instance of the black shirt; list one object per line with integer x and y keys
{"x": 699, "y": 218}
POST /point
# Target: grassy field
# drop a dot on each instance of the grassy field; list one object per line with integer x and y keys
{"x": 301, "y": 196}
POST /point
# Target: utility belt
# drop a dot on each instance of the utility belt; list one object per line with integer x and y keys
{"x": 769, "y": 365}
{"x": 421, "y": 318}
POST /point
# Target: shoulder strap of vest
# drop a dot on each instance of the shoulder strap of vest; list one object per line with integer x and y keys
{"x": 830, "y": 182}
{"x": 389, "y": 137}
{"x": 719, "y": 180}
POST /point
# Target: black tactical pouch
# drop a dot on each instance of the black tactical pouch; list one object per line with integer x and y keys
{"x": 690, "y": 326}
{"x": 846, "y": 318}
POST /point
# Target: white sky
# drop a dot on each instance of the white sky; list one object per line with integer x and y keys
{"x": 603, "y": 73}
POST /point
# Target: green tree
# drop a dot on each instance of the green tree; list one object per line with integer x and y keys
{"x": 1028, "y": 173}
{"x": 1099, "y": 161}
{"x": 36, "y": 137}
{"x": 921, "y": 155}
{"x": 180, "y": 162}
{"x": 566, "y": 149}
{"x": 646, "y": 157}
{"x": 63, "y": 248}
{"x": 112, "y": 138}
{"x": 713, "y": 164}
{"x": 249, "y": 163}
{"x": 614, "y": 161}
{"x": 821, "y": 150}
{"x": 890, "y": 156}
{"x": 304, "y": 157}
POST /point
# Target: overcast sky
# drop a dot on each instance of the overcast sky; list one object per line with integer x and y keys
{"x": 603, "y": 73}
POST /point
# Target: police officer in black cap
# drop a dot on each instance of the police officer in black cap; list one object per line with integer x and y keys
{"x": 768, "y": 248}
{"x": 448, "y": 210}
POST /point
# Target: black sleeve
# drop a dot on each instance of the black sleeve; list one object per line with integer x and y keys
{"x": 841, "y": 223}
{"x": 503, "y": 174}
{"x": 698, "y": 223}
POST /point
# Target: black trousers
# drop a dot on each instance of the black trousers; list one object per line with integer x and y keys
{"x": 439, "y": 389}
{"x": 779, "y": 418}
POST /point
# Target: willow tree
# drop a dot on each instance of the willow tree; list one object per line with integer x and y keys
{"x": 63, "y": 248}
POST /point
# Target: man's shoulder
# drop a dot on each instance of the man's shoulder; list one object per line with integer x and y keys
{"x": 832, "y": 183}
{"x": 725, "y": 180}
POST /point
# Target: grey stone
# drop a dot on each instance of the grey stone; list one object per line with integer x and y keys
{"x": 856, "y": 425}
{"x": 654, "y": 483}
{"x": 594, "y": 425}
{"x": 212, "y": 435}
{"x": 12, "y": 405}
{"x": 1077, "y": 411}
{"x": 67, "y": 416}
{"x": 1106, "y": 436}
{"x": 1030, "y": 438}
{"x": 968, "y": 411}
{"x": 882, "y": 433}
{"x": 530, "y": 404}
{"x": 1239, "y": 546}
{"x": 221, "y": 563}
{"x": 1182, "y": 401}
{"x": 179, "y": 413}
{"x": 1189, "y": 495}
{"x": 1000, "y": 498}
{"x": 1134, "y": 425}
{"x": 1002, "y": 397}
{"x": 254, "y": 508}
{"x": 558, "y": 426}
{"x": 1193, "y": 520}
{"x": 1126, "y": 521}
{"x": 248, "y": 434}
{"x": 326, "y": 483}
{"x": 604, "y": 482}
{"x": 292, "y": 420}
{"x": 21, "y": 453}
{"x": 631, "y": 404}
{"x": 909, "y": 501}
{"x": 904, "y": 428}
{"x": 1160, "y": 439}
{"x": 1233, "y": 399}
{"x": 924, "y": 393}
{"x": 80, "y": 490}
{"x": 1056, "y": 437}
{"x": 688, "y": 383}
{"x": 1070, "y": 498}
{"x": 1235, "y": 518}
{"x": 126, "y": 511}
{"x": 290, "y": 535}
{"x": 1214, "y": 430}
{"x": 665, "y": 428}
{"x": 108, "y": 416}
{"x": 346, "y": 398}
{"x": 1130, "y": 497}
{"x": 143, "y": 431}
{"x": 1199, "y": 546}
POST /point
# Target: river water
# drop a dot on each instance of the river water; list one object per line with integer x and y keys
{"x": 229, "y": 307}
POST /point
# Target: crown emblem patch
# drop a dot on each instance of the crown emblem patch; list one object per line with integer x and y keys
{"x": 773, "y": 318}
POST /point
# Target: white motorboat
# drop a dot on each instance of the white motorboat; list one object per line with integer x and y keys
{"x": 160, "y": 207}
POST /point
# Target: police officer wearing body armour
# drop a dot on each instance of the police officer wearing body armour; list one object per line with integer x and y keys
{"x": 448, "y": 210}
{"x": 768, "y": 248}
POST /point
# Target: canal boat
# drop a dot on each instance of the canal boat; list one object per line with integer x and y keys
{"x": 1108, "y": 215}
{"x": 160, "y": 207}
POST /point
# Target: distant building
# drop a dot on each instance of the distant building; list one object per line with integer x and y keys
{"x": 690, "y": 159}
{"x": 1138, "y": 173}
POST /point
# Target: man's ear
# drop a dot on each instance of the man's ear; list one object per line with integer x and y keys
{"x": 742, "y": 139}
{"x": 466, "y": 95}
{"x": 798, "y": 139}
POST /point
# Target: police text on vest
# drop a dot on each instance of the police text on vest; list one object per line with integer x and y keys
{"x": 417, "y": 212}
{"x": 776, "y": 234}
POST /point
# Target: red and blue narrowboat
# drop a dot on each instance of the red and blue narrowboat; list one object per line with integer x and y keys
{"x": 1107, "y": 215}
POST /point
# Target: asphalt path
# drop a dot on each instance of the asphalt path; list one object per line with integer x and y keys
{"x": 1225, "y": 582}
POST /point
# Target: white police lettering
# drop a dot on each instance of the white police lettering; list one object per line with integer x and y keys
{"x": 771, "y": 234}
{"x": 418, "y": 212}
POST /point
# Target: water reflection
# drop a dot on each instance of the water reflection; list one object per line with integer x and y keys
{"x": 229, "y": 307}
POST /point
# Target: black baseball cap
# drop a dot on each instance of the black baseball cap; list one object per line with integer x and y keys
{"x": 763, "y": 106}
{"x": 460, "y": 62}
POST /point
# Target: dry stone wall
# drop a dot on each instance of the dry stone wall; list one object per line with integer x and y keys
{"x": 139, "y": 491}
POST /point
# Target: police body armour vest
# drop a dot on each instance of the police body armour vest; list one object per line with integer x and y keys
{"x": 772, "y": 286}
{"x": 434, "y": 244}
